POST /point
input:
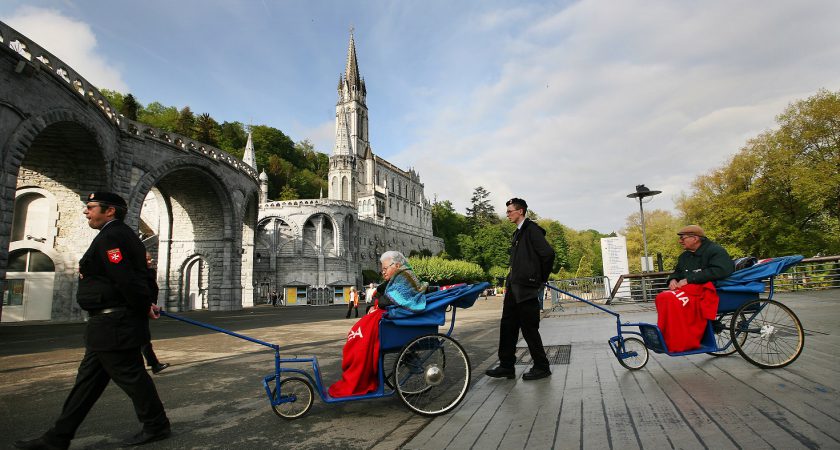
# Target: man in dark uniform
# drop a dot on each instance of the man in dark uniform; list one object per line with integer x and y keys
{"x": 531, "y": 260}
{"x": 147, "y": 349}
{"x": 113, "y": 290}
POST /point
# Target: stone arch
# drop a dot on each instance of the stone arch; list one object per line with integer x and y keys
{"x": 193, "y": 283}
{"x": 327, "y": 241}
{"x": 198, "y": 216}
{"x": 61, "y": 154}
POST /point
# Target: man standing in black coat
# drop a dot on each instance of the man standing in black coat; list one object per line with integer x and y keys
{"x": 113, "y": 290}
{"x": 531, "y": 260}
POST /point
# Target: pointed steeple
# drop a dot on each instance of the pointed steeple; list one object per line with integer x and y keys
{"x": 250, "y": 157}
{"x": 351, "y": 72}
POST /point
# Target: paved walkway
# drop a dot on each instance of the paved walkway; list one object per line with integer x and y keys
{"x": 696, "y": 401}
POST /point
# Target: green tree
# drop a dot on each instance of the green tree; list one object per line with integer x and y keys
{"x": 584, "y": 253}
{"x": 288, "y": 193}
{"x": 130, "y": 107}
{"x": 232, "y": 139}
{"x": 447, "y": 224}
{"x": 207, "y": 130}
{"x": 661, "y": 229}
{"x": 780, "y": 194}
{"x": 159, "y": 116}
{"x": 185, "y": 125}
{"x": 482, "y": 211}
{"x": 488, "y": 246}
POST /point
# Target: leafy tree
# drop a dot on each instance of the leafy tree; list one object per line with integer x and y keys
{"x": 482, "y": 211}
{"x": 488, "y": 246}
{"x": 185, "y": 125}
{"x": 232, "y": 139}
{"x": 159, "y": 116}
{"x": 288, "y": 193}
{"x": 130, "y": 107}
{"x": 661, "y": 228}
{"x": 447, "y": 224}
{"x": 780, "y": 194}
{"x": 207, "y": 130}
{"x": 555, "y": 234}
{"x": 584, "y": 253}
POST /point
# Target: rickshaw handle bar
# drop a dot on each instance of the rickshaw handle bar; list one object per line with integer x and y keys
{"x": 220, "y": 330}
{"x": 584, "y": 301}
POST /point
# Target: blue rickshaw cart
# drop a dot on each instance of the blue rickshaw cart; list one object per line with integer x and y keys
{"x": 430, "y": 372}
{"x": 763, "y": 331}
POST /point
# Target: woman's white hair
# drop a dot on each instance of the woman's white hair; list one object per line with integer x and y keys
{"x": 395, "y": 257}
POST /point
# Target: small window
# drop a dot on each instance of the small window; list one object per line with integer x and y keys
{"x": 28, "y": 260}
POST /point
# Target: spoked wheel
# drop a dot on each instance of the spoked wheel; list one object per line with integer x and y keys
{"x": 771, "y": 335}
{"x": 432, "y": 374}
{"x": 297, "y": 397}
{"x": 723, "y": 335}
{"x": 634, "y": 356}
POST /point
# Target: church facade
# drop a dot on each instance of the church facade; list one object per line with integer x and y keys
{"x": 312, "y": 251}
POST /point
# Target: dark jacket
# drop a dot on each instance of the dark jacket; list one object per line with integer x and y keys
{"x": 113, "y": 274}
{"x": 709, "y": 262}
{"x": 151, "y": 281}
{"x": 531, "y": 260}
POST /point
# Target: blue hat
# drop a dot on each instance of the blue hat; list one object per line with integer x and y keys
{"x": 106, "y": 198}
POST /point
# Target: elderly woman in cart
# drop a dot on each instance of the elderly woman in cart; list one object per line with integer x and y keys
{"x": 691, "y": 298}
{"x": 360, "y": 357}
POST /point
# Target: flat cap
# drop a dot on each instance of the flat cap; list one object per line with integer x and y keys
{"x": 693, "y": 230}
{"x": 106, "y": 198}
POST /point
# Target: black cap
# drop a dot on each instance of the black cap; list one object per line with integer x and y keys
{"x": 106, "y": 198}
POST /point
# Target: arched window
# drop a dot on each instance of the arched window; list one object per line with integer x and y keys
{"x": 31, "y": 217}
{"x": 345, "y": 189}
{"x": 29, "y": 260}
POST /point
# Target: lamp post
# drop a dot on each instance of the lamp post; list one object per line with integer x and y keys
{"x": 641, "y": 192}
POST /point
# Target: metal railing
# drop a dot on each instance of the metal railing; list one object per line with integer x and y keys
{"x": 810, "y": 274}
{"x": 589, "y": 288}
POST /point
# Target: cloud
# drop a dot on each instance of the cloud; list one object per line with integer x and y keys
{"x": 595, "y": 98}
{"x": 71, "y": 41}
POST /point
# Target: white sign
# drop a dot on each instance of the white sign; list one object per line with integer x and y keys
{"x": 614, "y": 257}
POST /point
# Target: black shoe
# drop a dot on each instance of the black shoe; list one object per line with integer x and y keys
{"x": 144, "y": 437}
{"x": 157, "y": 368}
{"x": 500, "y": 372}
{"x": 39, "y": 444}
{"x": 535, "y": 374}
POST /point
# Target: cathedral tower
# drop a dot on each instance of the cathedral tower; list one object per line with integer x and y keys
{"x": 348, "y": 166}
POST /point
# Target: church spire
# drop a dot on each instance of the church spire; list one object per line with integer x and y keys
{"x": 250, "y": 158}
{"x": 351, "y": 71}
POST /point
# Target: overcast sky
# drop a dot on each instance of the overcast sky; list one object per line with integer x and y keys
{"x": 566, "y": 104}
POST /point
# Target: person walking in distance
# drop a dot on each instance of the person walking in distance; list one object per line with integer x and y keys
{"x": 353, "y": 302}
{"x": 113, "y": 290}
{"x": 531, "y": 260}
{"x": 147, "y": 350}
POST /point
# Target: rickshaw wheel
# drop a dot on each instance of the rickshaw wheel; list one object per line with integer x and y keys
{"x": 636, "y": 362}
{"x": 723, "y": 333}
{"x": 303, "y": 394}
{"x": 432, "y": 374}
{"x": 771, "y": 336}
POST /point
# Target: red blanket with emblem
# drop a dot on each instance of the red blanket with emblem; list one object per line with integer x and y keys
{"x": 360, "y": 358}
{"x": 682, "y": 315}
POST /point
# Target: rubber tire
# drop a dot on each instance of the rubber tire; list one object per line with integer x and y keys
{"x": 294, "y": 384}
{"x": 455, "y": 366}
{"x": 756, "y": 311}
{"x": 635, "y": 344}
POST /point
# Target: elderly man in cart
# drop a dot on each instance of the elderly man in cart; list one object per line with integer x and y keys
{"x": 691, "y": 298}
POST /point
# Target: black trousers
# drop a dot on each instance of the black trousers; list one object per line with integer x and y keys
{"x": 96, "y": 370}
{"x": 524, "y": 316}
{"x": 149, "y": 354}
{"x": 350, "y": 307}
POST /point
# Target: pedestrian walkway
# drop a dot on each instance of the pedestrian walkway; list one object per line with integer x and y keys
{"x": 696, "y": 401}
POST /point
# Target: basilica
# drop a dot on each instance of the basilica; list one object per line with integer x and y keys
{"x": 312, "y": 251}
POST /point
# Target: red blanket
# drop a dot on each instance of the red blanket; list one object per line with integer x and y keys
{"x": 360, "y": 358}
{"x": 682, "y": 315}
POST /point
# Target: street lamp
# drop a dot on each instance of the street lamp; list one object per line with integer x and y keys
{"x": 641, "y": 192}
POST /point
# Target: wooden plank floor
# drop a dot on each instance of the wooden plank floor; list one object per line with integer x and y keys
{"x": 696, "y": 401}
